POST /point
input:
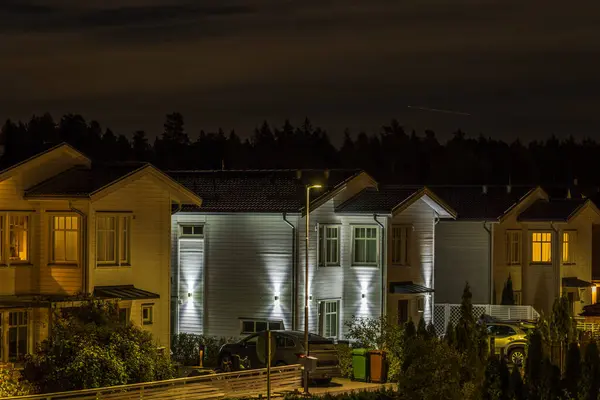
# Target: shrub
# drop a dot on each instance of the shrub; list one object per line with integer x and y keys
{"x": 11, "y": 383}
{"x": 185, "y": 347}
{"x": 344, "y": 353}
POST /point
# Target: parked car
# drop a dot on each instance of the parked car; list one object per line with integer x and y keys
{"x": 289, "y": 346}
{"x": 510, "y": 338}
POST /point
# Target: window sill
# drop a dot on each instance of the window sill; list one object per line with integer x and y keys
{"x": 147, "y": 323}
{"x": 65, "y": 265}
{"x": 401, "y": 265}
{"x": 107, "y": 266}
{"x": 17, "y": 265}
{"x": 329, "y": 266}
{"x": 541, "y": 263}
{"x": 362, "y": 266}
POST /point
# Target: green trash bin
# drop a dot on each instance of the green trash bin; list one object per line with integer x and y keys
{"x": 360, "y": 365}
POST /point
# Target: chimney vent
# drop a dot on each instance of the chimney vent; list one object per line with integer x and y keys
{"x": 484, "y": 189}
{"x": 508, "y": 189}
{"x": 326, "y": 174}
{"x": 299, "y": 174}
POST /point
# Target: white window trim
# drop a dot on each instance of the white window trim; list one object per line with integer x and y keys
{"x": 321, "y": 305}
{"x": 408, "y": 239}
{"x": 552, "y": 239}
{"x": 375, "y": 264}
{"x": 257, "y": 320}
{"x": 322, "y": 245}
{"x": 572, "y": 245}
{"x": 51, "y": 259}
{"x": 197, "y": 236}
{"x": 117, "y": 240}
{"x": 510, "y": 235}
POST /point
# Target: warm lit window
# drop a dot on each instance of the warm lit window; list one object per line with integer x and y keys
{"x": 17, "y": 335}
{"x": 18, "y": 239}
{"x": 365, "y": 246}
{"x": 401, "y": 245}
{"x": 541, "y": 247}
{"x": 568, "y": 247}
{"x": 112, "y": 239}
{"x": 329, "y": 245}
{"x": 147, "y": 314}
{"x": 513, "y": 247}
{"x": 65, "y": 239}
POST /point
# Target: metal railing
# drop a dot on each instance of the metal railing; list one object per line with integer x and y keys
{"x": 208, "y": 387}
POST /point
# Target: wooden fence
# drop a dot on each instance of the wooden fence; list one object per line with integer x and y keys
{"x": 207, "y": 387}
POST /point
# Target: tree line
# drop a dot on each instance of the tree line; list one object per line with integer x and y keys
{"x": 392, "y": 154}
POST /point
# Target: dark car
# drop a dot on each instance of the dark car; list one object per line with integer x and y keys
{"x": 288, "y": 347}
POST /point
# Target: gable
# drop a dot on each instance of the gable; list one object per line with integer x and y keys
{"x": 525, "y": 202}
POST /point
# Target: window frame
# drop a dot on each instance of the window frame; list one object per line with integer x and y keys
{"x": 5, "y": 231}
{"x": 541, "y": 242}
{"x": 194, "y": 226}
{"x": 254, "y": 321}
{"x": 150, "y": 319}
{"x": 571, "y": 244}
{"x": 9, "y": 326}
{"x": 514, "y": 237}
{"x": 51, "y": 248}
{"x": 122, "y": 230}
{"x": 324, "y": 320}
{"x": 404, "y": 242}
{"x": 365, "y": 264}
{"x": 322, "y": 240}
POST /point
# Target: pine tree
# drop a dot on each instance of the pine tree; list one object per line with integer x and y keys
{"x": 431, "y": 330}
{"x": 422, "y": 329}
{"x": 508, "y": 295}
{"x": 590, "y": 373}
{"x": 533, "y": 364}
{"x": 450, "y": 336}
{"x": 516, "y": 388}
{"x": 572, "y": 369}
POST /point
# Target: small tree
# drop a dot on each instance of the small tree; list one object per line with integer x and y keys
{"x": 590, "y": 373}
{"x": 422, "y": 329}
{"x": 431, "y": 330}
{"x": 450, "y": 336}
{"x": 572, "y": 370}
{"x": 496, "y": 380}
{"x": 516, "y": 389}
{"x": 508, "y": 295}
{"x": 533, "y": 364}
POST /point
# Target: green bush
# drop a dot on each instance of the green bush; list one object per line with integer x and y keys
{"x": 185, "y": 347}
{"x": 384, "y": 394}
{"x": 90, "y": 348}
{"x": 344, "y": 353}
{"x": 11, "y": 383}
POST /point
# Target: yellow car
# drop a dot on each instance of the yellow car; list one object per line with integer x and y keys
{"x": 510, "y": 338}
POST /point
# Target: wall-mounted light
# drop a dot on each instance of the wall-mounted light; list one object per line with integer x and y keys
{"x": 276, "y": 298}
{"x": 190, "y": 299}
{"x": 363, "y": 296}
{"x": 310, "y": 297}
{"x": 189, "y": 294}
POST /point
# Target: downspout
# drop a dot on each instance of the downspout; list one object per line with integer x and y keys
{"x": 84, "y": 247}
{"x": 490, "y": 261}
{"x": 436, "y": 220}
{"x": 555, "y": 257}
{"x": 176, "y": 296}
{"x": 294, "y": 282}
{"x": 383, "y": 266}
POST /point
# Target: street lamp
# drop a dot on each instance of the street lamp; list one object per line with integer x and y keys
{"x": 308, "y": 188}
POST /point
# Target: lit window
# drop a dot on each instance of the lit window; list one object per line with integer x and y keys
{"x": 400, "y": 245}
{"x": 17, "y": 335}
{"x": 254, "y": 326}
{"x": 330, "y": 318}
{"x": 513, "y": 247}
{"x": 541, "y": 247}
{"x": 65, "y": 239}
{"x": 192, "y": 230}
{"x": 112, "y": 240}
{"x": 18, "y": 237}
{"x": 568, "y": 247}
{"x": 147, "y": 314}
{"x": 365, "y": 246}
{"x": 329, "y": 245}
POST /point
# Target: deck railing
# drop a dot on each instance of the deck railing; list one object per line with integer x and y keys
{"x": 208, "y": 387}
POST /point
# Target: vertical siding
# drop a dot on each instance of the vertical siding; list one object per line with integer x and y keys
{"x": 462, "y": 252}
{"x": 247, "y": 262}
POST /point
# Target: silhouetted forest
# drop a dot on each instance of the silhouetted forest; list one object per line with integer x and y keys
{"x": 392, "y": 155}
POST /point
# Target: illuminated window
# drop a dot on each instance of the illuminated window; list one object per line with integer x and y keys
{"x": 329, "y": 245}
{"x": 401, "y": 245}
{"x": 17, "y": 335}
{"x": 568, "y": 247}
{"x": 259, "y": 325}
{"x": 65, "y": 239}
{"x": 541, "y": 247}
{"x": 329, "y": 318}
{"x": 365, "y": 246}
{"x": 112, "y": 240}
{"x": 18, "y": 237}
{"x": 513, "y": 247}
{"x": 191, "y": 230}
{"x": 147, "y": 314}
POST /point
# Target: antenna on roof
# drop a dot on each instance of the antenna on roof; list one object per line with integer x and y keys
{"x": 508, "y": 187}
{"x": 222, "y": 164}
{"x": 569, "y": 193}
{"x": 298, "y": 174}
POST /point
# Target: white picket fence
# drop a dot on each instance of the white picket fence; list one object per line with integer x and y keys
{"x": 444, "y": 313}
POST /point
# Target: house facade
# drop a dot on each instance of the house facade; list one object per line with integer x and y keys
{"x": 70, "y": 227}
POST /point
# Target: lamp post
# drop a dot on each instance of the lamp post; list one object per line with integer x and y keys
{"x": 308, "y": 188}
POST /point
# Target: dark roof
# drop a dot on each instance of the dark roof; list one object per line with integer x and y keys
{"x": 382, "y": 200}
{"x": 592, "y": 310}
{"x": 30, "y": 300}
{"x": 257, "y": 190}
{"x": 480, "y": 202}
{"x": 124, "y": 292}
{"x": 574, "y": 282}
{"x": 551, "y": 210}
{"x": 81, "y": 181}
{"x": 408, "y": 287}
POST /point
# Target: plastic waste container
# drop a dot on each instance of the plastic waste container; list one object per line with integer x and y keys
{"x": 377, "y": 366}
{"x": 360, "y": 365}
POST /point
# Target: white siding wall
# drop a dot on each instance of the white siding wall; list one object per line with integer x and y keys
{"x": 462, "y": 252}
{"x": 247, "y": 261}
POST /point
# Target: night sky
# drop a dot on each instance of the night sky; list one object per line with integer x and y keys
{"x": 519, "y": 68}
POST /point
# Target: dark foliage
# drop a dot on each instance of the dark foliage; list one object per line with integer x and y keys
{"x": 508, "y": 295}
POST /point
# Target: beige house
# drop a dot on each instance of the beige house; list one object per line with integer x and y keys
{"x": 67, "y": 227}
{"x": 545, "y": 244}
